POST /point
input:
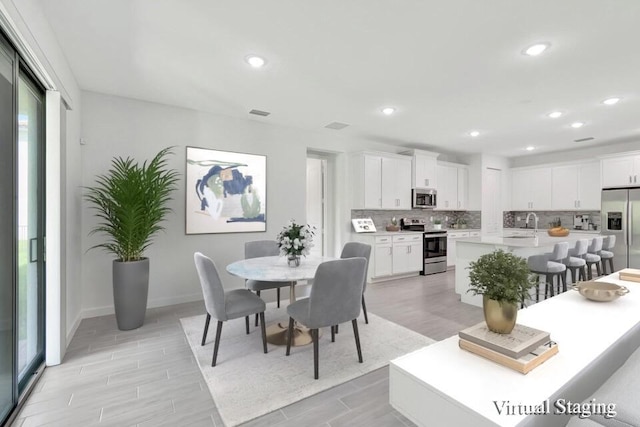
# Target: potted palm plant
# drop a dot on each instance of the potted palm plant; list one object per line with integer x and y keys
{"x": 130, "y": 201}
{"x": 504, "y": 281}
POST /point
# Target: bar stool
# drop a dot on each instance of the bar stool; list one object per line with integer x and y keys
{"x": 575, "y": 262}
{"x": 592, "y": 256}
{"x": 606, "y": 254}
{"x": 550, "y": 264}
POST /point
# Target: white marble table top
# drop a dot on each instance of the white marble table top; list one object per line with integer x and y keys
{"x": 276, "y": 269}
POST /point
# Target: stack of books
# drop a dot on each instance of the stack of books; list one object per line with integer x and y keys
{"x": 630, "y": 274}
{"x": 522, "y": 350}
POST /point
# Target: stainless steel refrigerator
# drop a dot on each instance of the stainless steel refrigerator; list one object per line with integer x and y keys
{"x": 621, "y": 217}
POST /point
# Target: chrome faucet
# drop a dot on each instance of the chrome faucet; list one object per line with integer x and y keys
{"x": 535, "y": 219}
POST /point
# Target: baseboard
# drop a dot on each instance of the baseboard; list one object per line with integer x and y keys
{"x": 74, "y": 328}
{"x": 159, "y": 302}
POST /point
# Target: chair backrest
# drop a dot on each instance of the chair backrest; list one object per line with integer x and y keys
{"x": 212, "y": 289}
{"x": 560, "y": 252}
{"x": 609, "y": 242}
{"x": 580, "y": 250}
{"x": 358, "y": 250}
{"x": 336, "y": 293}
{"x": 260, "y": 248}
{"x": 596, "y": 245}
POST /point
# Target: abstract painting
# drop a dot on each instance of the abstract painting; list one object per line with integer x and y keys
{"x": 226, "y": 192}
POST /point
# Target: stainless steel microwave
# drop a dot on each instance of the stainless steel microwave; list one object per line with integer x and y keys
{"x": 423, "y": 198}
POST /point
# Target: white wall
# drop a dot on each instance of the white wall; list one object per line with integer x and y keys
{"x": 115, "y": 126}
{"x": 31, "y": 23}
{"x": 579, "y": 153}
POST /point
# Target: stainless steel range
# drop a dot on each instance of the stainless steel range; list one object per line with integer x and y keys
{"x": 434, "y": 249}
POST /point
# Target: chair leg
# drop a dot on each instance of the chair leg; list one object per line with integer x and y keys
{"x": 257, "y": 293}
{"x": 264, "y": 332}
{"x": 354, "y": 322}
{"x": 603, "y": 266}
{"x": 246, "y": 321}
{"x": 563, "y": 278}
{"x": 364, "y": 309}
{"x": 611, "y": 265}
{"x": 289, "y": 335}
{"x": 314, "y": 336}
{"x": 589, "y": 271}
{"x": 217, "y": 344}
{"x": 333, "y": 334}
{"x": 206, "y": 328}
{"x": 583, "y": 272}
{"x": 337, "y": 329}
{"x": 278, "y": 292}
{"x": 598, "y": 269}
{"x": 537, "y": 288}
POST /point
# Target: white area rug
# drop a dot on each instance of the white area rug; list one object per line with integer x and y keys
{"x": 246, "y": 383}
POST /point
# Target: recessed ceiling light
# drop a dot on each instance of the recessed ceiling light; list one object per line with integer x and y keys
{"x": 536, "y": 49}
{"x": 530, "y": 148}
{"x": 474, "y": 133}
{"x": 387, "y": 111}
{"x": 611, "y": 101}
{"x": 577, "y": 125}
{"x": 255, "y": 61}
{"x": 555, "y": 114}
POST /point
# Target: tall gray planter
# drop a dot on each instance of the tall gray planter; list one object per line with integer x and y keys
{"x": 130, "y": 291}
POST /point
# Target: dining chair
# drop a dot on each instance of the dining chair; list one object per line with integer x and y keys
{"x": 593, "y": 256}
{"x": 551, "y": 265}
{"x": 263, "y": 248}
{"x": 575, "y": 261}
{"x": 335, "y": 298}
{"x": 359, "y": 250}
{"x": 228, "y": 305}
{"x": 606, "y": 254}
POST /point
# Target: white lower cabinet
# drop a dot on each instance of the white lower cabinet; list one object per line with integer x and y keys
{"x": 451, "y": 245}
{"x": 393, "y": 255}
{"x": 407, "y": 254}
{"x": 383, "y": 260}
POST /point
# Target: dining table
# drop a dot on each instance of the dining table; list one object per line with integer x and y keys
{"x": 277, "y": 269}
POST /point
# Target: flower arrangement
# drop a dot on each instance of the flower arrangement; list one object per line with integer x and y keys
{"x": 295, "y": 239}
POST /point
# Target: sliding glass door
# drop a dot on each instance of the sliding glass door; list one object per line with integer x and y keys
{"x": 21, "y": 228}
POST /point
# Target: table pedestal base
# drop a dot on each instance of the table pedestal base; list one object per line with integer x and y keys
{"x": 277, "y": 334}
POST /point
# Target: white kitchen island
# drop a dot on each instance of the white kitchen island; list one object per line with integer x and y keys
{"x": 470, "y": 249}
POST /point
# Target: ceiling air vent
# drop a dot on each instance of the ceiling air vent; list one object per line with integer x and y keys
{"x": 583, "y": 139}
{"x": 336, "y": 125}
{"x": 259, "y": 113}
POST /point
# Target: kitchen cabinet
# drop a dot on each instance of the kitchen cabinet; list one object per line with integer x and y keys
{"x": 576, "y": 187}
{"x": 453, "y": 183}
{"x": 451, "y": 245}
{"x": 383, "y": 258}
{"x": 531, "y": 189}
{"x": 407, "y": 253}
{"x": 621, "y": 171}
{"x": 380, "y": 181}
{"x": 423, "y": 168}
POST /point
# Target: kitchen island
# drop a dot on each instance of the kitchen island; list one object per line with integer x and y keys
{"x": 470, "y": 249}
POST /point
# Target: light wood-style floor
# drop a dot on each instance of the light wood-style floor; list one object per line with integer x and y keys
{"x": 148, "y": 377}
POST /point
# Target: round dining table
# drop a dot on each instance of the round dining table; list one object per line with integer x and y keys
{"x": 276, "y": 269}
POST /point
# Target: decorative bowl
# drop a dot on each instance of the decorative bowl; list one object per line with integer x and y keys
{"x": 600, "y": 291}
{"x": 558, "y": 232}
{"x": 393, "y": 228}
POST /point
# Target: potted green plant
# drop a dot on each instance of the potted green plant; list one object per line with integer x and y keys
{"x": 130, "y": 201}
{"x": 437, "y": 224}
{"x": 504, "y": 281}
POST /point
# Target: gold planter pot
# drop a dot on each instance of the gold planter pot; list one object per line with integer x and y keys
{"x": 500, "y": 316}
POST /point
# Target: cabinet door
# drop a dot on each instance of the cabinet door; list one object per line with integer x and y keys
{"x": 403, "y": 183}
{"x": 400, "y": 258}
{"x": 617, "y": 172}
{"x": 389, "y": 199}
{"x": 424, "y": 171}
{"x": 383, "y": 261}
{"x": 462, "y": 186}
{"x": 415, "y": 260}
{"x": 540, "y": 189}
{"x": 441, "y": 200}
{"x": 636, "y": 170}
{"x": 564, "y": 190}
{"x": 520, "y": 196}
{"x": 589, "y": 188}
{"x": 447, "y": 187}
{"x": 372, "y": 182}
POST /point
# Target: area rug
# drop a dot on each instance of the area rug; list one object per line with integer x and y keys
{"x": 246, "y": 383}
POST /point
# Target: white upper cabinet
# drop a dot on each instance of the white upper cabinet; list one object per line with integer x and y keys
{"x": 463, "y": 186}
{"x": 621, "y": 171}
{"x": 576, "y": 187}
{"x": 531, "y": 189}
{"x": 589, "y": 187}
{"x": 453, "y": 184}
{"x": 380, "y": 181}
{"x": 424, "y": 171}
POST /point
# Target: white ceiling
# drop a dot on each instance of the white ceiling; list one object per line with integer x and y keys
{"x": 448, "y": 66}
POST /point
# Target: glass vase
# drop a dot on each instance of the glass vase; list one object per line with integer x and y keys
{"x": 293, "y": 260}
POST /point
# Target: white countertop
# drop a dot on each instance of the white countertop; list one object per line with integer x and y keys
{"x": 544, "y": 230}
{"x": 541, "y": 241}
{"x": 583, "y": 329}
{"x": 387, "y": 233}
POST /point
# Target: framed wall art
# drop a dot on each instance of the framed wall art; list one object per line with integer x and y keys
{"x": 226, "y": 192}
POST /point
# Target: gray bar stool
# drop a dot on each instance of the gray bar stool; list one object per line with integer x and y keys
{"x": 575, "y": 262}
{"x": 550, "y": 264}
{"x": 606, "y": 254}
{"x": 592, "y": 256}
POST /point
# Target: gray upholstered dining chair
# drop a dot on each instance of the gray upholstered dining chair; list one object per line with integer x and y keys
{"x": 551, "y": 265}
{"x": 606, "y": 254}
{"x": 335, "y": 298}
{"x": 262, "y": 248}
{"x": 359, "y": 250}
{"x": 575, "y": 262}
{"x": 593, "y": 256}
{"x": 228, "y": 305}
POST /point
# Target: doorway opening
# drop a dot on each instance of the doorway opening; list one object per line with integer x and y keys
{"x": 320, "y": 201}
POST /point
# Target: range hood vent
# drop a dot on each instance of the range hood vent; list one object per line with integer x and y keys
{"x": 336, "y": 125}
{"x": 583, "y": 139}
{"x": 259, "y": 113}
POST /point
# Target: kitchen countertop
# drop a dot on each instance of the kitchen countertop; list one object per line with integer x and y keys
{"x": 388, "y": 233}
{"x": 572, "y": 230}
{"x": 541, "y": 241}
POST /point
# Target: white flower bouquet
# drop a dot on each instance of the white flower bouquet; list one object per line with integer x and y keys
{"x": 295, "y": 239}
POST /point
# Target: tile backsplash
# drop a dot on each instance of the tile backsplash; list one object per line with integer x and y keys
{"x": 382, "y": 218}
{"x": 545, "y": 217}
